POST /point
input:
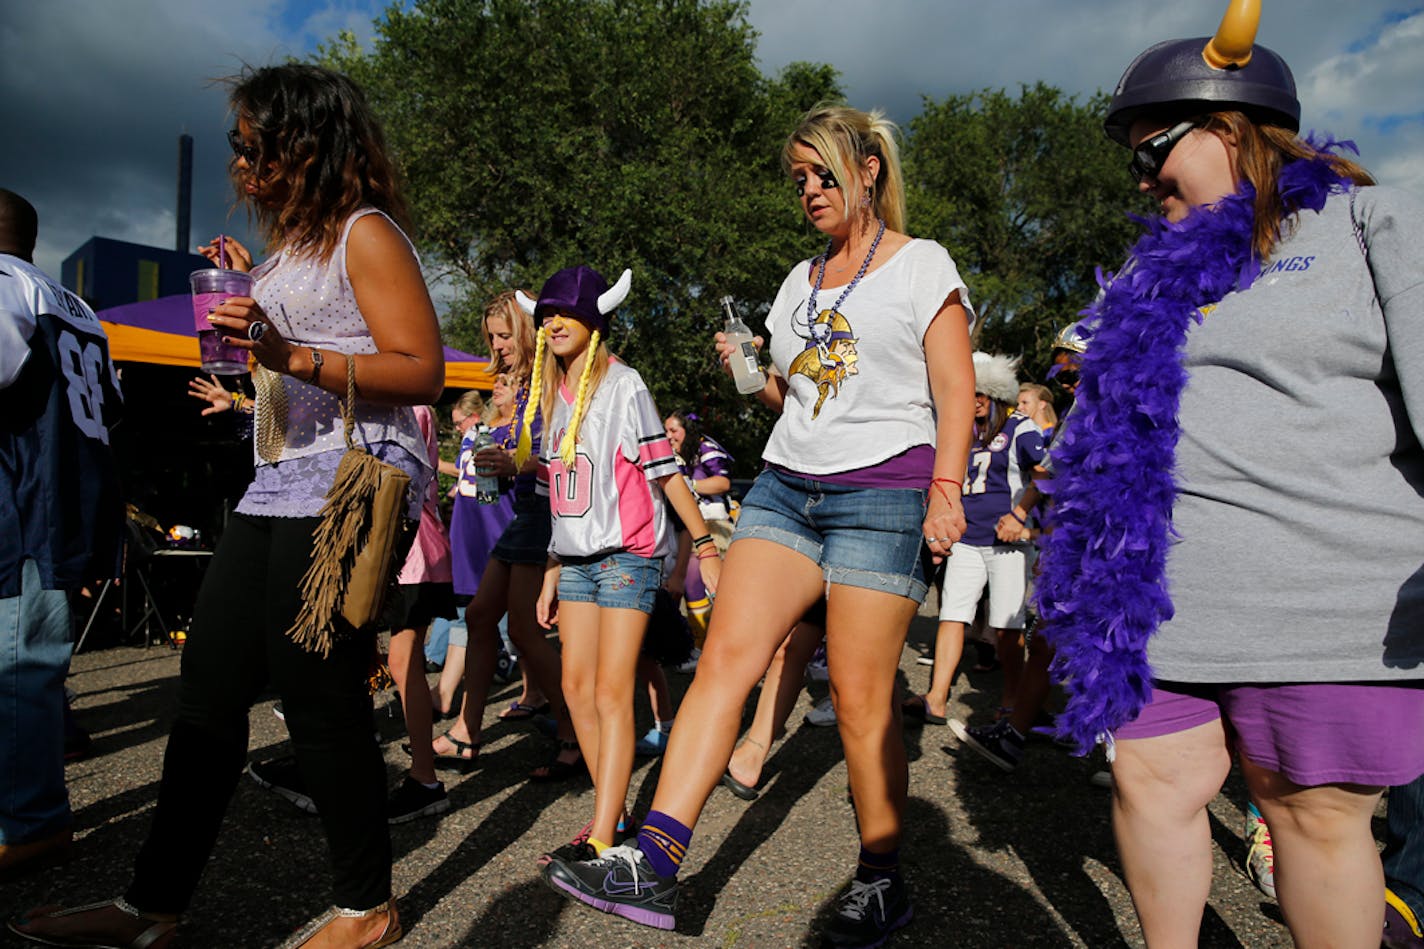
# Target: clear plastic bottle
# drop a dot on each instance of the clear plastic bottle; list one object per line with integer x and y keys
{"x": 486, "y": 486}
{"x": 746, "y": 370}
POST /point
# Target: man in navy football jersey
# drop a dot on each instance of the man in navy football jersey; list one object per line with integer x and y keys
{"x": 60, "y": 523}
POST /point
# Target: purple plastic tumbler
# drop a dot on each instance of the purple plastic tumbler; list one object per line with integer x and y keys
{"x": 211, "y": 287}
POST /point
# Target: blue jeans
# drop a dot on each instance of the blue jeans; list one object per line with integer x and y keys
{"x": 1404, "y": 847}
{"x": 35, "y": 643}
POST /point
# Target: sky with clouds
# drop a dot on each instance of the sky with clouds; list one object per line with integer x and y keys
{"x": 96, "y": 92}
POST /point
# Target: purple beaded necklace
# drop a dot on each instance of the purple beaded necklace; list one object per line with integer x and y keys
{"x": 821, "y": 275}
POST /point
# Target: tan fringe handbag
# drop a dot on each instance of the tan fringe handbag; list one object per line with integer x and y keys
{"x": 352, "y": 556}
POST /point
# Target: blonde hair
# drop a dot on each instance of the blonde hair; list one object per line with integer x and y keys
{"x": 470, "y": 403}
{"x": 846, "y": 138}
{"x": 1045, "y": 398}
{"x": 550, "y": 373}
{"x": 491, "y": 412}
{"x": 521, "y": 329}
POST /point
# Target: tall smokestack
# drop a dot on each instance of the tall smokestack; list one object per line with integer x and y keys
{"x": 185, "y": 191}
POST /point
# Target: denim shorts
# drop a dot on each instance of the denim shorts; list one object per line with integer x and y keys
{"x": 618, "y": 580}
{"x": 860, "y": 537}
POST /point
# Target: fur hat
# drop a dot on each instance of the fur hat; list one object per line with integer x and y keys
{"x": 997, "y": 377}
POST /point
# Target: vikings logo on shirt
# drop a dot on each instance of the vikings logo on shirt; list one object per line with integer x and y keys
{"x": 829, "y": 357}
{"x": 999, "y": 443}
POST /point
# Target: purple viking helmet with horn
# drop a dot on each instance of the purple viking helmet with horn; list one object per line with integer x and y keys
{"x": 1208, "y": 74}
{"x": 581, "y": 292}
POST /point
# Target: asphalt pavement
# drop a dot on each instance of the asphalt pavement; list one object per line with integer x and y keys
{"x": 992, "y": 859}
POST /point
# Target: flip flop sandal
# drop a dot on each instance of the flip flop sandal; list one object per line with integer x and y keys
{"x": 391, "y": 934}
{"x": 743, "y": 791}
{"x": 557, "y": 770}
{"x": 519, "y": 712}
{"x": 916, "y": 709}
{"x": 459, "y": 761}
{"x": 158, "y": 934}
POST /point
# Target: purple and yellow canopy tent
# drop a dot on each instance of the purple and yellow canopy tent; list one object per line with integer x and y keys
{"x": 161, "y": 332}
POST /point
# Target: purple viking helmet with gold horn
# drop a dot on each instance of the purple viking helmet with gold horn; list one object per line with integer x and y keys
{"x": 1180, "y": 78}
{"x": 581, "y": 292}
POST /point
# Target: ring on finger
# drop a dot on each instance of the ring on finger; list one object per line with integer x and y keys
{"x": 255, "y": 330}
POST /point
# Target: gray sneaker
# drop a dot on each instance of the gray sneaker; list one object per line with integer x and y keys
{"x": 282, "y": 777}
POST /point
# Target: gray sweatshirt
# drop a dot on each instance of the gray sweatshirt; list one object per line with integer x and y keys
{"x": 1301, "y": 506}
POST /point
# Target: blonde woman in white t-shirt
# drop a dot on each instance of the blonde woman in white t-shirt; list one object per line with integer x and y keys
{"x": 875, "y": 388}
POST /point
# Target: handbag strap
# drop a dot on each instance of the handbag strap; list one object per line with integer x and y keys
{"x": 348, "y": 409}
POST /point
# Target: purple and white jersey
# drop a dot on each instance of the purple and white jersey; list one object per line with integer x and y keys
{"x": 712, "y": 461}
{"x": 608, "y": 500}
{"x": 998, "y": 473}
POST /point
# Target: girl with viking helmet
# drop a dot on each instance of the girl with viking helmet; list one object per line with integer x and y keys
{"x": 863, "y": 469}
{"x": 610, "y": 466}
{"x": 512, "y": 577}
{"x": 1255, "y": 382}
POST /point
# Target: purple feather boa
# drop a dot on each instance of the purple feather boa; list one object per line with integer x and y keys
{"x": 1102, "y": 590}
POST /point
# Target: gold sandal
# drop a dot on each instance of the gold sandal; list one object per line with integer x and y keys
{"x": 391, "y": 934}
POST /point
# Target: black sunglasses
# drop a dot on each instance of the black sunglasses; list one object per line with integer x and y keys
{"x": 1149, "y": 157}
{"x": 241, "y": 149}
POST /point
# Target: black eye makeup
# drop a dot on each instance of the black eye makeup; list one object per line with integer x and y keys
{"x": 828, "y": 182}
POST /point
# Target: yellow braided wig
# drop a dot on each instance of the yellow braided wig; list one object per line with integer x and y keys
{"x": 525, "y": 446}
{"x": 568, "y": 447}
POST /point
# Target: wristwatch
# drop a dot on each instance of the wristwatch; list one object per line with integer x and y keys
{"x": 316, "y": 365}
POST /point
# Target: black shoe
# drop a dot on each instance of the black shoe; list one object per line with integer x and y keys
{"x": 413, "y": 800}
{"x": 1000, "y": 742}
{"x": 869, "y": 912}
{"x": 282, "y": 777}
{"x": 620, "y": 882}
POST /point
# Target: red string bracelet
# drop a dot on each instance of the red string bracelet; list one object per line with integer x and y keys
{"x": 708, "y": 555}
{"x": 936, "y": 482}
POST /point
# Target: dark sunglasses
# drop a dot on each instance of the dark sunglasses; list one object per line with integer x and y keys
{"x": 1149, "y": 157}
{"x": 828, "y": 181}
{"x": 241, "y": 149}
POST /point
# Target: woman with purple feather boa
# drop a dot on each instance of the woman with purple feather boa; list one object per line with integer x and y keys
{"x": 1237, "y": 564}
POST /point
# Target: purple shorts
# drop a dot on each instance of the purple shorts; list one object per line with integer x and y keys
{"x": 1313, "y": 733}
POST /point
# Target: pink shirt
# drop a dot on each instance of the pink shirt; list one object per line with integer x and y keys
{"x": 429, "y": 558}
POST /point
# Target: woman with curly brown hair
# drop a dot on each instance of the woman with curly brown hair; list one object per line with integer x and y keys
{"x": 342, "y": 283}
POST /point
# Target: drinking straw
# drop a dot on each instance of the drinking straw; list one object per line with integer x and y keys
{"x": 222, "y": 251}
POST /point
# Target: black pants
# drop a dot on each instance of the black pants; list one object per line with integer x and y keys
{"x": 237, "y": 644}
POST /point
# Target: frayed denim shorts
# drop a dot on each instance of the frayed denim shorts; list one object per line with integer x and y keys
{"x": 618, "y": 580}
{"x": 860, "y": 537}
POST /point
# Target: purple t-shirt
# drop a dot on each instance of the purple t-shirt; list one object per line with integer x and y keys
{"x": 912, "y": 468}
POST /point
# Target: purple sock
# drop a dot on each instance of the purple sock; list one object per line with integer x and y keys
{"x": 877, "y": 866}
{"x": 664, "y": 841}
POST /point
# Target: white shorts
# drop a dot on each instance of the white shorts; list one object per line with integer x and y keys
{"x": 1003, "y": 567}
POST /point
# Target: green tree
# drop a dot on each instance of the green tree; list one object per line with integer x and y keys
{"x": 1029, "y": 196}
{"x": 540, "y": 134}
